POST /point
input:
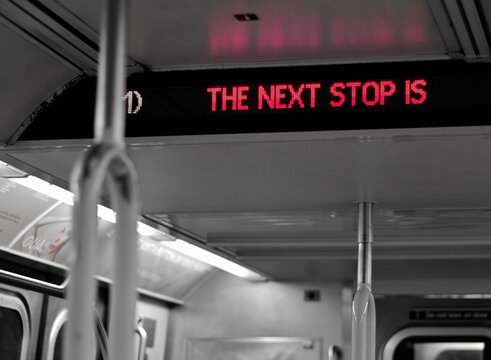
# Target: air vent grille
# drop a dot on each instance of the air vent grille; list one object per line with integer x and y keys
{"x": 464, "y": 26}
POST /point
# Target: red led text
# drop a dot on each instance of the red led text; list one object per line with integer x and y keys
{"x": 235, "y": 97}
{"x": 370, "y": 93}
{"x": 415, "y": 92}
{"x": 311, "y": 95}
{"x": 277, "y": 96}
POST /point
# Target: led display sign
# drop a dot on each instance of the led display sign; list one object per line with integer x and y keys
{"x": 281, "y": 100}
{"x": 304, "y": 95}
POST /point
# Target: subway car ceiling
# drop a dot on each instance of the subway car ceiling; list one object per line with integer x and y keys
{"x": 329, "y": 103}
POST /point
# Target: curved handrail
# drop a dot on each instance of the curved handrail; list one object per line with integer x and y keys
{"x": 34, "y": 284}
{"x": 142, "y": 333}
{"x": 106, "y": 163}
{"x": 61, "y": 319}
{"x": 334, "y": 353}
{"x": 114, "y": 166}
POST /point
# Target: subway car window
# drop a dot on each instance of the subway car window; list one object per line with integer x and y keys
{"x": 449, "y": 351}
{"x": 58, "y": 349}
{"x": 255, "y": 348}
{"x": 11, "y": 334}
{"x": 443, "y": 348}
{"x": 451, "y": 341}
{"x": 14, "y": 328}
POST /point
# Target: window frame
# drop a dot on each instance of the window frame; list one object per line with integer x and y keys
{"x": 13, "y": 302}
{"x": 391, "y": 344}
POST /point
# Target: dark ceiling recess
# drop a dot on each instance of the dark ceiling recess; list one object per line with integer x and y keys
{"x": 312, "y": 295}
{"x": 246, "y": 17}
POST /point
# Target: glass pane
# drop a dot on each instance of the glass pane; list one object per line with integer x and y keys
{"x": 449, "y": 351}
{"x": 255, "y": 349}
{"x": 11, "y": 330}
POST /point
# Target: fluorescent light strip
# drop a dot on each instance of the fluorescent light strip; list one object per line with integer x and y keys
{"x": 45, "y": 188}
{"x": 107, "y": 214}
{"x": 60, "y": 194}
{"x": 213, "y": 259}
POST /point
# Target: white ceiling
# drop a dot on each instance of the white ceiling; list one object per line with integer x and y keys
{"x": 176, "y": 34}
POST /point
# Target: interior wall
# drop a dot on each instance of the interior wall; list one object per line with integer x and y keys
{"x": 229, "y": 307}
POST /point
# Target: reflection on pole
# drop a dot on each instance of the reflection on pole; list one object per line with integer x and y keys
{"x": 363, "y": 310}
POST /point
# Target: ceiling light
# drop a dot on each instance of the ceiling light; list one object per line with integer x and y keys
{"x": 214, "y": 260}
{"x": 153, "y": 233}
{"x": 106, "y": 214}
{"x": 44, "y": 187}
{"x": 9, "y": 172}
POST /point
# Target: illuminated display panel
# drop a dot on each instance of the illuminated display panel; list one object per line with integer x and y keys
{"x": 401, "y": 95}
{"x": 353, "y": 94}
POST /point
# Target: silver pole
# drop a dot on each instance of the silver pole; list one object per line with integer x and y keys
{"x": 365, "y": 240}
{"x": 363, "y": 310}
{"x": 111, "y": 81}
{"x": 105, "y": 163}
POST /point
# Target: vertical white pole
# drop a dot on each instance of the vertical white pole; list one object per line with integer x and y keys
{"x": 122, "y": 322}
{"x": 363, "y": 316}
{"x": 105, "y": 161}
{"x": 111, "y": 81}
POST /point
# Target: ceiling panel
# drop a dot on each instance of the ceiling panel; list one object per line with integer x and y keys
{"x": 188, "y": 33}
{"x": 23, "y": 87}
{"x": 286, "y": 202}
{"x": 320, "y": 174}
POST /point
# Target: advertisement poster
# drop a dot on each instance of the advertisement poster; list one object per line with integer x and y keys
{"x": 37, "y": 225}
{"x": 19, "y": 208}
{"x": 160, "y": 269}
{"x": 167, "y": 271}
{"x": 47, "y": 237}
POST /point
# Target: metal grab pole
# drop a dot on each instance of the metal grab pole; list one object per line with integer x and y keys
{"x": 363, "y": 310}
{"x": 105, "y": 163}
